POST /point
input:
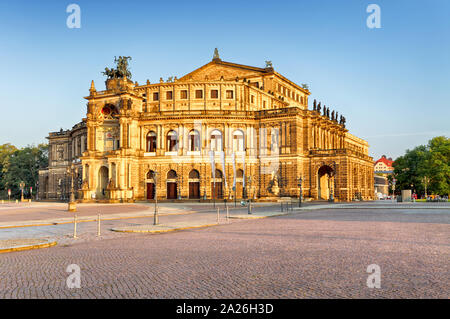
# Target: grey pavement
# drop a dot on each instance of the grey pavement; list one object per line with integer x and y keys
{"x": 307, "y": 254}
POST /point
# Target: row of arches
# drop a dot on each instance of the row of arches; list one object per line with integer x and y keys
{"x": 194, "y": 141}
{"x": 172, "y": 183}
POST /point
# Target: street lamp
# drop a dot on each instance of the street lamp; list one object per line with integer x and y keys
{"x": 250, "y": 197}
{"x": 155, "y": 216}
{"x": 300, "y": 180}
{"x": 179, "y": 187}
{"x": 331, "y": 192}
{"x": 393, "y": 188}
{"x": 425, "y": 181}
{"x": 71, "y": 171}
{"x": 22, "y": 186}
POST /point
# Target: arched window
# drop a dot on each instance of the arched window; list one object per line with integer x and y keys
{"x": 172, "y": 141}
{"x": 239, "y": 173}
{"x": 151, "y": 142}
{"x": 238, "y": 141}
{"x": 216, "y": 140}
{"x": 194, "y": 140}
{"x": 218, "y": 174}
{"x": 171, "y": 174}
{"x": 194, "y": 174}
{"x": 150, "y": 174}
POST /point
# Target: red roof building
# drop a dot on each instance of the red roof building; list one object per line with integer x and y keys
{"x": 384, "y": 165}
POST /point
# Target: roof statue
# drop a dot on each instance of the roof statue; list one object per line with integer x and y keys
{"x": 121, "y": 70}
{"x": 269, "y": 65}
{"x": 216, "y": 55}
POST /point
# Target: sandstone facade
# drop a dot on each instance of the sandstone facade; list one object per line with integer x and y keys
{"x": 160, "y": 139}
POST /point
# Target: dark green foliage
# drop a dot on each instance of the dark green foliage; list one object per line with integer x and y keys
{"x": 18, "y": 165}
{"x": 432, "y": 161}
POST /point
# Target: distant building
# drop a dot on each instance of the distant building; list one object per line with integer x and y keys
{"x": 381, "y": 186}
{"x": 382, "y": 169}
{"x": 384, "y": 166}
{"x": 64, "y": 147}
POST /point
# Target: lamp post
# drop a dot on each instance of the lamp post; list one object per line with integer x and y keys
{"x": 155, "y": 216}
{"x": 72, "y": 170}
{"x": 250, "y": 197}
{"x": 393, "y": 189}
{"x": 179, "y": 181}
{"x": 300, "y": 194}
{"x": 22, "y": 186}
{"x": 331, "y": 192}
{"x": 425, "y": 181}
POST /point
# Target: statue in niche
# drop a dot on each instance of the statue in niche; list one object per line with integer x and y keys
{"x": 274, "y": 184}
{"x": 85, "y": 185}
{"x": 60, "y": 153}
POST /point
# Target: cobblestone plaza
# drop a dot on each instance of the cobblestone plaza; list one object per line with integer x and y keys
{"x": 313, "y": 253}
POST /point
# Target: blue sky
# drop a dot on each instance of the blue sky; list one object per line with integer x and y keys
{"x": 392, "y": 83}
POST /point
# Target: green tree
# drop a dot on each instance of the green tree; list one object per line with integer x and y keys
{"x": 437, "y": 165}
{"x": 409, "y": 168}
{"x": 6, "y": 150}
{"x": 23, "y": 165}
{"x": 432, "y": 160}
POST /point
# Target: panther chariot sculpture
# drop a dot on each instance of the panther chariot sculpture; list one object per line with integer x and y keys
{"x": 121, "y": 70}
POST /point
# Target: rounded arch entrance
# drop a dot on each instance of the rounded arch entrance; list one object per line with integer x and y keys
{"x": 194, "y": 184}
{"x": 172, "y": 189}
{"x": 324, "y": 180}
{"x": 102, "y": 184}
{"x": 216, "y": 184}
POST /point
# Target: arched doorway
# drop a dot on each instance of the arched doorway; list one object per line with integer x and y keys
{"x": 216, "y": 188}
{"x": 194, "y": 184}
{"x": 172, "y": 185}
{"x": 102, "y": 182}
{"x": 150, "y": 185}
{"x": 324, "y": 182}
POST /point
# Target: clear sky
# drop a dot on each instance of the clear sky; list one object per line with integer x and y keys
{"x": 391, "y": 83}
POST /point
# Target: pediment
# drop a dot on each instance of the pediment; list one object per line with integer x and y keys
{"x": 215, "y": 70}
